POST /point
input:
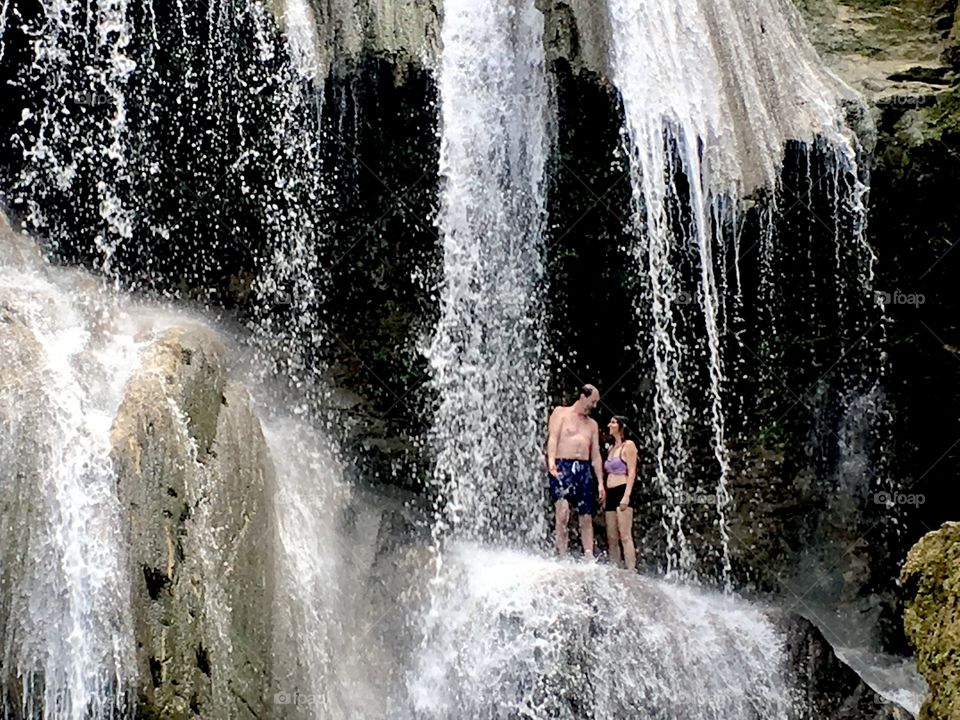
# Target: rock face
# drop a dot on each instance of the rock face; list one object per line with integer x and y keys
{"x": 326, "y": 31}
{"x": 931, "y": 579}
{"x": 193, "y": 471}
{"x": 886, "y": 50}
{"x": 828, "y": 688}
{"x": 22, "y": 412}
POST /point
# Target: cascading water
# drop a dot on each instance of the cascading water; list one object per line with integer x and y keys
{"x": 502, "y": 634}
{"x": 66, "y": 632}
{"x": 149, "y": 135}
{"x": 712, "y": 93}
{"x": 487, "y": 353}
{"x": 66, "y": 628}
{"x": 520, "y": 636}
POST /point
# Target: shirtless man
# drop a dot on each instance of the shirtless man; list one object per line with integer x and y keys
{"x": 573, "y": 448}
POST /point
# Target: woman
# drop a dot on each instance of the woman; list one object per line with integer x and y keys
{"x": 620, "y": 468}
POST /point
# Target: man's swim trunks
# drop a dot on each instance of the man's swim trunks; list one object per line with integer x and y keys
{"x": 576, "y": 484}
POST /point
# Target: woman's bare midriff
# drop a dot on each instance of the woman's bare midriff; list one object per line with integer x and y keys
{"x": 614, "y": 481}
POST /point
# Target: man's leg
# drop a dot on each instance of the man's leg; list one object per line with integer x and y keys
{"x": 563, "y": 520}
{"x": 586, "y": 534}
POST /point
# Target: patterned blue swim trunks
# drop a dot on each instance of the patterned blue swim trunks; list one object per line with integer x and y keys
{"x": 576, "y": 484}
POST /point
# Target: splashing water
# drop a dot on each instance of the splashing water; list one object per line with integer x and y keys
{"x": 712, "y": 92}
{"x": 520, "y": 636}
{"x": 487, "y": 353}
{"x": 79, "y": 133}
{"x": 309, "y": 623}
{"x": 66, "y": 633}
{"x": 151, "y": 134}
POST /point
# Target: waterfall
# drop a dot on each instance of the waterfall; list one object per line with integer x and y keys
{"x": 66, "y": 624}
{"x": 487, "y": 353}
{"x": 521, "y": 636}
{"x": 149, "y": 135}
{"x": 712, "y": 92}
{"x": 66, "y": 630}
{"x": 79, "y": 133}
{"x": 310, "y": 632}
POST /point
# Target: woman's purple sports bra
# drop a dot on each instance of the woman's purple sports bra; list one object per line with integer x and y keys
{"x": 615, "y": 466}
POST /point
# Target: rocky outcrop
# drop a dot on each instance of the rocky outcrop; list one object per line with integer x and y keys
{"x": 324, "y": 32}
{"x": 22, "y": 406}
{"x": 931, "y": 582}
{"x": 192, "y": 472}
{"x": 827, "y": 687}
{"x": 890, "y": 51}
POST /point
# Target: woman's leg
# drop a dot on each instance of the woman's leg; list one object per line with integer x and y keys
{"x": 625, "y": 527}
{"x": 613, "y": 538}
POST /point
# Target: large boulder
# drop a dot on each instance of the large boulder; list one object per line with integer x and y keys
{"x": 931, "y": 581}
{"x": 192, "y": 470}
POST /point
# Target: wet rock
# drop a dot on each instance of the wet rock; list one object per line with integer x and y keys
{"x": 408, "y": 31}
{"x": 931, "y": 581}
{"x": 888, "y": 51}
{"x": 16, "y": 250}
{"x": 826, "y": 687}
{"x": 22, "y": 413}
{"x": 192, "y": 468}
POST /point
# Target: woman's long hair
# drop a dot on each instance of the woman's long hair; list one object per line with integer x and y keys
{"x": 624, "y": 425}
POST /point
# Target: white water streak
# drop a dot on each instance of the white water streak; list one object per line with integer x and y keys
{"x": 487, "y": 354}
{"x": 712, "y": 90}
{"x": 70, "y": 629}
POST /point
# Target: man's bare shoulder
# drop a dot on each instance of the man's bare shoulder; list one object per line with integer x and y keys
{"x": 559, "y": 412}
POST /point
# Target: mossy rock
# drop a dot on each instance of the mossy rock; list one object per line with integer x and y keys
{"x": 931, "y": 577}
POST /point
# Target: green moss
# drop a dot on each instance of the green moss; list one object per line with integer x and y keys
{"x": 931, "y": 576}
{"x": 934, "y": 122}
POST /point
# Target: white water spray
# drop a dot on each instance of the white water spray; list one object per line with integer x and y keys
{"x": 487, "y": 354}
{"x": 520, "y": 636}
{"x": 67, "y": 636}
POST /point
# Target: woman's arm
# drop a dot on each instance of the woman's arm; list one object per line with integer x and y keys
{"x": 630, "y": 455}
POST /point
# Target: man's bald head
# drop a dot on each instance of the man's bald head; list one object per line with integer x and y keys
{"x": 589, "y": 399}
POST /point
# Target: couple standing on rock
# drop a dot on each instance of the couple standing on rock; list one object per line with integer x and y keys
{"x": 579, "y": 475}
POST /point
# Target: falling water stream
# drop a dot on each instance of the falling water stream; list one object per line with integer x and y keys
{"x": 750, "y": 84}
{"x": 487, "y": 353}
{"x": 66, "y": 631}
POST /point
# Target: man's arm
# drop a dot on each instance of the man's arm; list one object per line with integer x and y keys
{"x": 596, "y": 459}
{"x": 553, "y": 436}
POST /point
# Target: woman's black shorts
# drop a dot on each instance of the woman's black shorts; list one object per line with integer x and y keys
{"x": 614, "y": 497}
